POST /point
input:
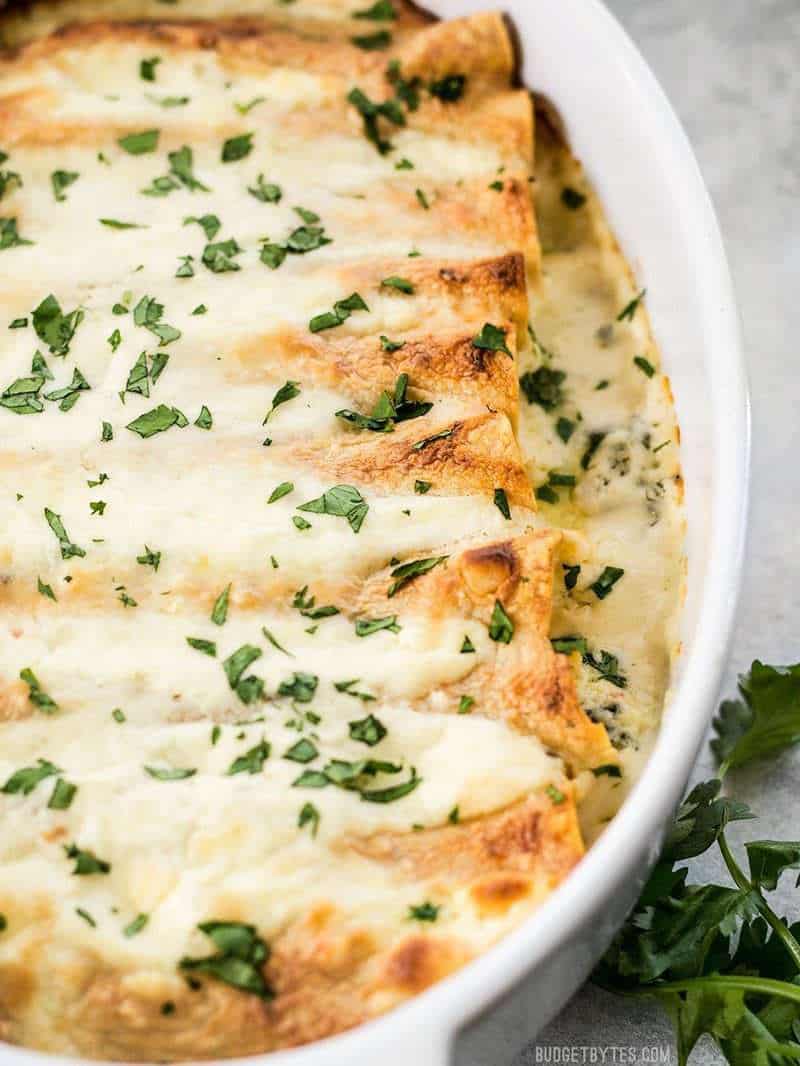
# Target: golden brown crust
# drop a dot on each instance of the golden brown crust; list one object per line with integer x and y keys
{"x": 475, "y": 455}
{"x": 327, "y": 973}
{"x": 526, "y": 684}
{"x": 438, "y": 365}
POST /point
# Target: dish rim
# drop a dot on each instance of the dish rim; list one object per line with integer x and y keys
{"x": 426, "y": 1025}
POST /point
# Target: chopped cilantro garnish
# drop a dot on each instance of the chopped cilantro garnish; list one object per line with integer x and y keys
{"x": 60, "y": 180}
{"x": 302, "y": 751}
{"x": 158, "y": 420}
{"x": 342, "y": 310}
{"x": 86, "y": 862}
{"x": 401, "y": 284}
{"x": 22, "y": 395}
{"x": 68, "y": 549}
{"x": 568, "y": 645}
{"x": 391, "y": 346}
{"x": 594, "y": 442}
{"x": 9, "y": 237}
{"x": 369, "y": 730}
{"x": 300, "y": 687}
{"x": 644, "y": 365}
{"x": 204, "y": 420}
{"x": 218, "y": 257}
{"x": 10, "y": 180}
{"x": 501, "y": 503}
{"x": 606, "y": 582}
{"x": 407, "y": 572}
{"x": 54, "y": 327}
{"x": 424, "y": 912}
{"x": 210, "y": 224}
{"x": 246, "y": 108}
{"x": 286, "y": 392}
{"x": 239, "y": 958}
{"x": 266, "y": 192}
{"x": 373, "y": 42}
{"x": 449, "y": 89}
{"x": 24, "y": 781}
{"x": 147, "y": 68}
{"x": 114, "y": 223}
{"x": 236, "y": 148}
{"x": 543, "y": 387}
{"x": 169, "y": 773}
{"x": 36, "y": 694}
{"x": 444, "y": 434}
{"x": 422, "y": 199}
{"x": 571, "y": 575}
{"x": 149, "y": 558}
{"x": 252, "y": 762}
{"x": 68, "y": 396}
{"x": 467, "y": 647}
{"x": 565, "y": 428}
{"x": 135, "y": 926}
{"x": 280, "y": 491}
{"x": 341, "y": 501}
{"x": 207, "y": 647}
{"x": 491, "y": 338}
{"x": 555, "y": 795}
{"x": 62, "y": 795}
{"x": 371, "y": 112}
{"x": 630, "y": 309}
{"x": 309, "y": 815}
{"x": 391, "y": 407}
{"x": 380, "y": 11}
{"x": 139, "y": 143}
{"x": 501, "y": 628}
{"x": 250, "y": 688}
{"x": 365, "y": 627}
{"x": 45, "y": 589}
{"x": 465, "y": 704}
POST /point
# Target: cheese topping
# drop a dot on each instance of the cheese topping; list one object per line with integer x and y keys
{"x": 269, "y": 509}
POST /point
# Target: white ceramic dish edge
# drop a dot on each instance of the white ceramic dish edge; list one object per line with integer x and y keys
{"x": 635, "y": 152}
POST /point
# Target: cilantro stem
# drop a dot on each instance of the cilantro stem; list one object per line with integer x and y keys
{"x": 763, "y": 986}
{"x": 779, "y": 927}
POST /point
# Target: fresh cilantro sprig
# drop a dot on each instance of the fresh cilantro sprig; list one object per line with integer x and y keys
{"x": 719, "y": 958}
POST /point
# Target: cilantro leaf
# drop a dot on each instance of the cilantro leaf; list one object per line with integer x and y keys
{"x": 341, "y": 501}
{"x": 61, "y": 180}
{"x": 501, "y": 628}
{"x": 252, "y": 762}
{"x": 406, "y": 572}
{"x": 236, "y": 148}
{"x": 68, "y": 549}
{"x": 380, "y": 11}
{"x": 24, "y": 781}
{"x": 239, "y": 959}
{"x": 342, "y": 310}
{"x": 139, "y": 143}
{"x": 158, "y": 420}
{"x": 36, "y": 694}
{"x": 266, "y": 192}
{"x": 54, "y": 327}
{"x": 286, "y": 392}
{"x": 764, "y": 721}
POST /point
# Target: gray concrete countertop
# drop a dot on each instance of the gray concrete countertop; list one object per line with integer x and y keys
{"x": 732, "y": 71}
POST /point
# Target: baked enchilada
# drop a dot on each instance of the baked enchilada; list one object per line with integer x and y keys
{"x": 340, "y": 517}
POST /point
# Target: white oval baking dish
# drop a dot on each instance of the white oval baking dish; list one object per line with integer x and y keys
{"x": 635, "y": 152}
